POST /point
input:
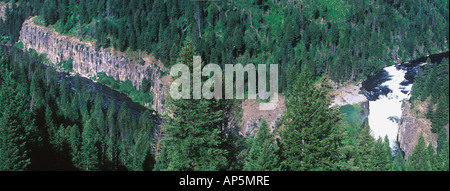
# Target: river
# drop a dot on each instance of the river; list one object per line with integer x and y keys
{"x": 108, "y": 95}
{"x": 386, "y": 91}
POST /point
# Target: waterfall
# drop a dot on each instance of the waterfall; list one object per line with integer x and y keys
{"x": 386, "y": 92}
{"x": 386, "y": 111}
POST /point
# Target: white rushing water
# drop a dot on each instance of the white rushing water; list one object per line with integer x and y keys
{"x": 386, "y": 111}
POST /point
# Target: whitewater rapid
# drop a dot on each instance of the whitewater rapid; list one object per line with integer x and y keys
{"x": 386, "y": 91}
{"x": 386, "y": 111}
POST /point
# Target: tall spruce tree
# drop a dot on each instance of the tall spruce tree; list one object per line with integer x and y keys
{"x": 309, "y": 138}
{"x": 444, "y": 157}
{"x": 16, "y": 126}
{"x": 89, "y": 152}
{"x": 75, "y": 142}
{"x": 162, "y": 162}
{"x": 263, "y": 152}
{"x": 381, "y": 155}
{"x": 364, "y": 146}
{"x": 193, "y": 134}
{"x": 419, "y": 159}
{"x": 399, "y": 163}
{"x": 111, "y": 137}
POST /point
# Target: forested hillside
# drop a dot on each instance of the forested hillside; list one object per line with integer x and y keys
{"x": 432, "y": 89}
{"x": 349, "y": 40}
{"x": 50, "y": 124}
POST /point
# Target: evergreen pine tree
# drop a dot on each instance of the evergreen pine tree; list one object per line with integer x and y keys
{"x": 64, "y": 98}
{"x": 111, "y": 137}
{"x": 418, "y": 159}
{"x": 399, "y": 163}
{"x": 89, "y": 152}
{"x": 432, "y": 158}
{"x": 263, "y": 151}
{"x": 162, "y": 162}
{"x": 37, "y": 94}
{"x": 13, "y": 155}
{"x": 308, "y": 139}
{"x": 193, "y": 134}
{"x": 381, "y": 155}
{"x": 444, "y": 157}
{"x": 50, "y": 16}
{"x": 16, "y": 126}
{"x": 74, "y": 113}
{"x": 49, "y": 123}
{"x": 141, "y": 150}
{"x": 75, "y": 145}
{"x": 365, "y": 142}
{"x": 441, "y": 115}
{"x": 132, "y": 40}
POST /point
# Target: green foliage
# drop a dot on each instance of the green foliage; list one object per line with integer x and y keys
{"x": 162, "y": 162}
{"x": 425, "y": 158}
{"x": 19, "y": 45}
{"x": 364, "y": 147}
{"x": 75, "y": 142}
{"x": 441, "y": 115}
{"x": 14, "y": 15}
{"x": 399, "y": 163}
{"x": 43, "y": 120}
{"x": 37, "y": 95}
{"x": 352, "y": 118}
{"x": 193, "y": 135}
{"x": 431, "y": 86}
{"x": 263, "y": 151}
{"x": 13, "y": 156}
{"x": 142, "y": 96}
{"x": 89, "y": 152}
{"x": 311, "y": 136}
{"x": 65, "y": 65}
{"x": 381, "y": 155}
{"x": 443, "y": 160}
{"x": 420, "y": 158}
{"x": 143, "y": 148}
{"x": 39, "y": 20}
{"x": 349, "y": 40}
{"x": 17, "y": 129}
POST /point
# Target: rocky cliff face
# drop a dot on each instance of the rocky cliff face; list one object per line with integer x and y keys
{"x": 2, "y": 10}
{"x": 251, "y": 115}
{"x": 413, "y": 123}
{"x": 89, "y": 60}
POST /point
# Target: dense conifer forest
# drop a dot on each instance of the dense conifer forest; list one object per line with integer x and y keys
{"x": 49, "y": 123}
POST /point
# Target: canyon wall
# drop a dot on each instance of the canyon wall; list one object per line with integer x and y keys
{"x": 412, "y": 124}
{"x": 2, "y": 10}
{"x": 88, "y": 60}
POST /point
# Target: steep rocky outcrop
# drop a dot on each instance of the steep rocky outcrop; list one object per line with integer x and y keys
{"x": 88, "y": 60}
{"x": 412, "y": 124}
{"x": 251, "y": 115}
{"x": 347, "y": 94}
{"x": 2, "y": 10}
